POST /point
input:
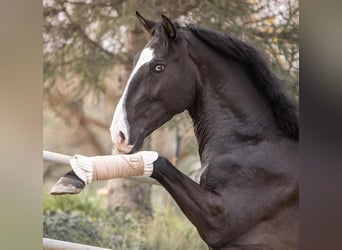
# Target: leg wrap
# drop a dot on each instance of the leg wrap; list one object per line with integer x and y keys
{"x": 107, "y": 167}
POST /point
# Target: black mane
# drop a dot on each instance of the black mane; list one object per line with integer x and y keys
{"x": 285, "y": 111}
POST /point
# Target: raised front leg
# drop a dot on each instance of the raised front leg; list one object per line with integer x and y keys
{"x": 227, "y": 203}
{"x": 202, "y": 207}
{"x": 95, "y": 168}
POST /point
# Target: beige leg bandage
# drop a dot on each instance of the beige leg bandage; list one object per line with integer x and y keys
{"x": 90, "y": 169}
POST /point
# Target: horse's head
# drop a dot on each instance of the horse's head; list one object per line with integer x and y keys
{"x": 162, "y": 84}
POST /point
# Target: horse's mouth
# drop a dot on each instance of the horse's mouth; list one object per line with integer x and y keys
{"x": 122, "y": 148}
{"x": 127, "y": 148}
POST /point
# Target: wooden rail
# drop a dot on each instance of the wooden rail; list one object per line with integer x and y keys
{"x": 51, "y": 244}
{"x": 64, "y": 159}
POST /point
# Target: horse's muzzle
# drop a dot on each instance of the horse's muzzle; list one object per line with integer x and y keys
{"x": 121, "y": 144}
{"x": 125, "y": 138}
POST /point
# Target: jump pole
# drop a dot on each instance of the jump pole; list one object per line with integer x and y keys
{"x": 51, "y": 244}
{"x": 64, "y": 159}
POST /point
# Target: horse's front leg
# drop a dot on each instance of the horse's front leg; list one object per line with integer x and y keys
{"x": 202, "y": 207}
{"x": 96, "y": 168}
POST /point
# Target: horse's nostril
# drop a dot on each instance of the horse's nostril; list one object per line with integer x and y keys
{"x": 122, "y": 135}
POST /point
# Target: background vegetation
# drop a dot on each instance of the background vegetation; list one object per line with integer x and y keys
{"x": 86, "y": 219}
{"x": 88, "y": 48}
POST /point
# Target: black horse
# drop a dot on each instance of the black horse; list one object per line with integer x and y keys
{"x": 246, "y": 128}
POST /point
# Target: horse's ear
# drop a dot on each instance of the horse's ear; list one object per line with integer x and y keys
{"x": 147, "y": 24}
{"x": 169, "y": 27}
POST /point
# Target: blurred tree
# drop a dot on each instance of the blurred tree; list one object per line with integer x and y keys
{"x": 88, "y": 47}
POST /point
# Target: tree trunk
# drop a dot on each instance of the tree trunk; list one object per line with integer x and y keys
{"x": 129, "y": 195}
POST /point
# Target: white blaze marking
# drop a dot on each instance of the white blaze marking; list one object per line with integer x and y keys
{"x": 120, "y": 122}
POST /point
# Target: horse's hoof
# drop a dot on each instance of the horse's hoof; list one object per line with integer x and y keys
{"x": 67, "y": 185}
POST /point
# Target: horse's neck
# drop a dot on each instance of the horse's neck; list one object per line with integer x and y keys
{"x": 228, "y": 110}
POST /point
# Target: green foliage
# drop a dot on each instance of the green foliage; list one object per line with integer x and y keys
{"x": 83, "y": 203}
{"x": 85, "y": 219}
{"x": 170, "y": 231}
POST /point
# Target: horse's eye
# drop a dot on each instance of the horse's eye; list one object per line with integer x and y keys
{"x": 159, "y": 68}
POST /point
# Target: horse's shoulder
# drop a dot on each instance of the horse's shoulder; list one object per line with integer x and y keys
{"x": 222, "y": 172}
{"x": 232, "y": 173}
